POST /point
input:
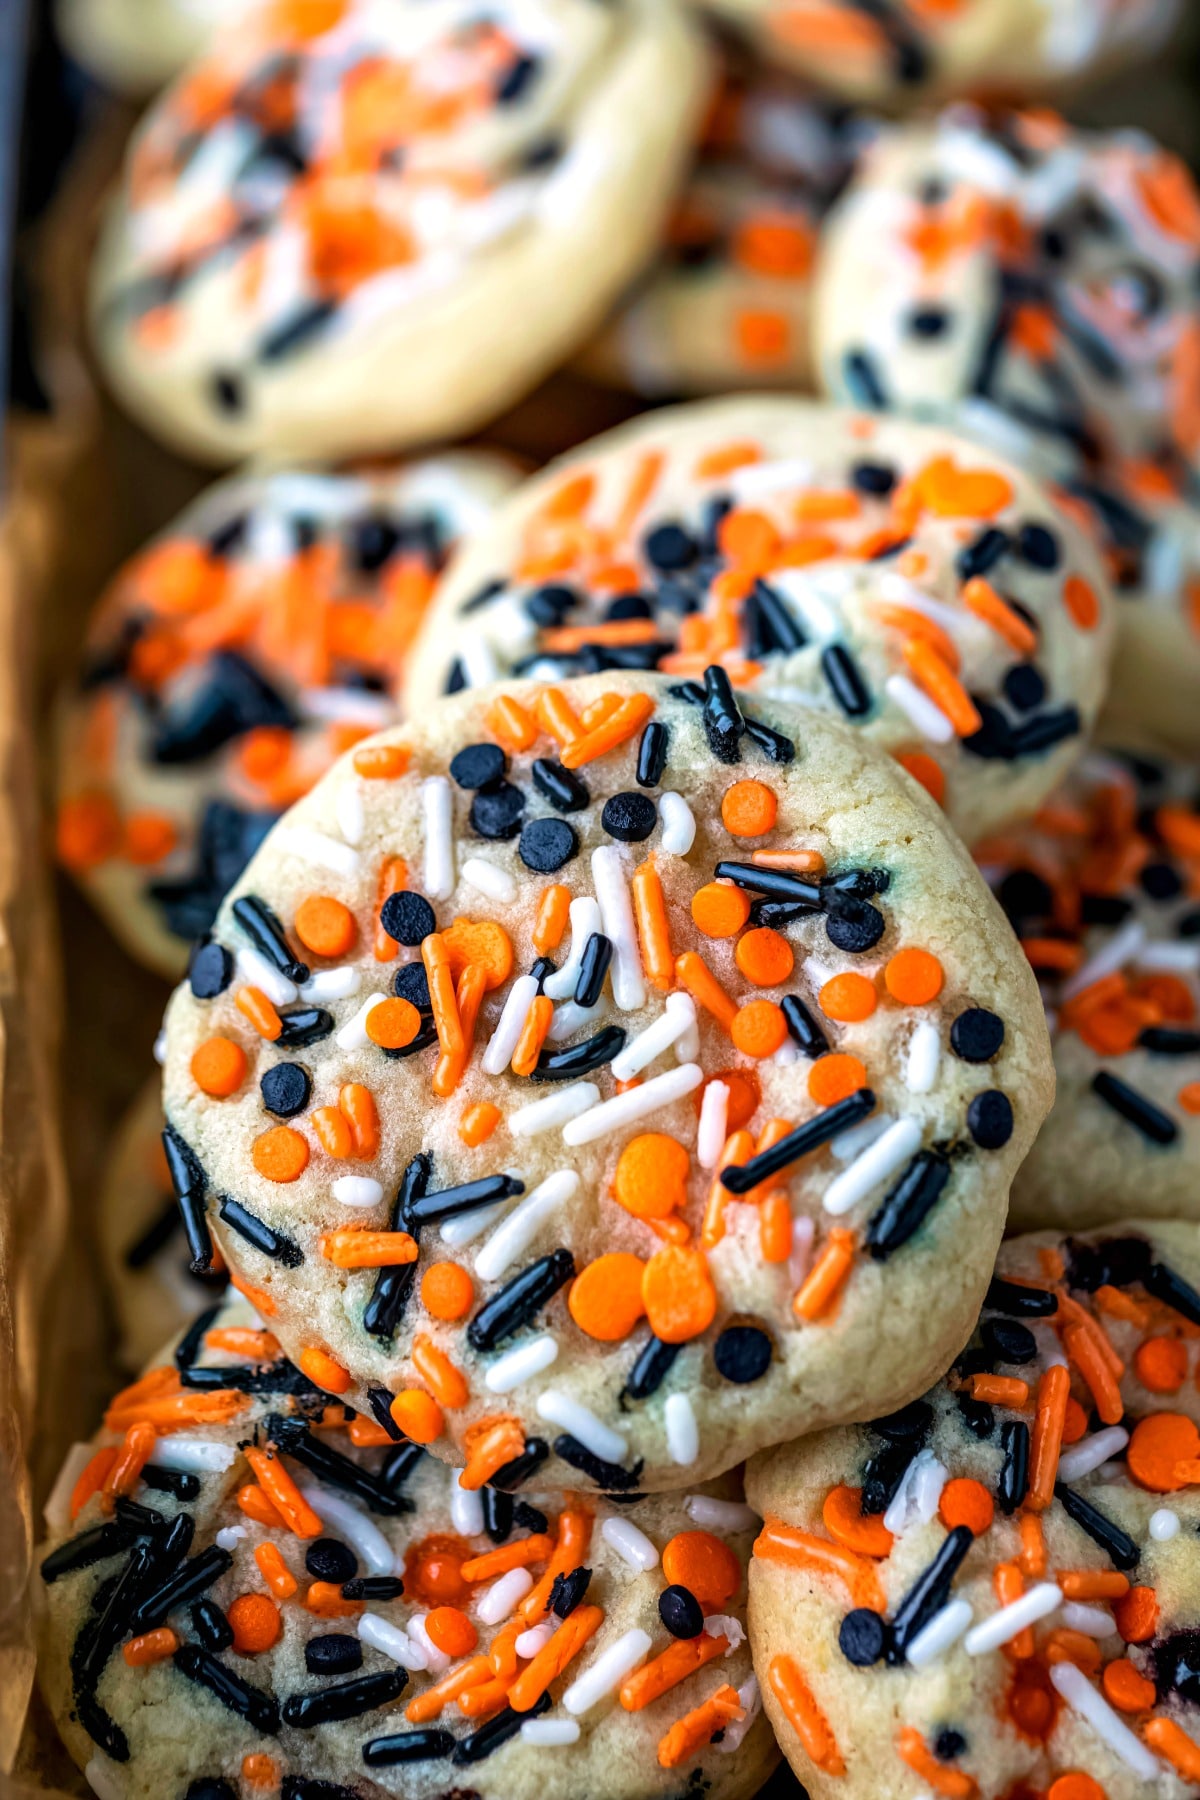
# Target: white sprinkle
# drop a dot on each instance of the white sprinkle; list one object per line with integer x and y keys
{"x": 945, "y": 1628}
{"x": 1004, "y": 1625}
{"x": 380, "y": 1634}
{"x": 521, "y": 1364}
{"x": 348, "y": 806}
{"x": 678, "y": 824}
{"x": 916, "y": 1499}
{"x": 317, "y": 847}
{"x": 57, "y": 1509}
{"x": 751, "y": 1704}
{"x": 549, "y": 1734}
{"x": 719, "y": 1515}
{"x": 1093, "y": 1621}
{"x": 812, "y": 596}
{"x": 683, "y": 1433}
{"x": 609, "y": 1670}
{"x": 490, "y": 879}
{"x": 347, "y": 706}
{"x": 804, "y": 1232}
{"x": 230, "y": 1536}
{"x": 584, "y": 914}
{"x": 496, "y": 1602}
{"x": 636, "y": 1103}
{"x": 479, "y": 664}
{"x": 1175, "y": 959}
{"x": 535, "y": 1639}
{"x": 1121, "y": 948}
{"x": 560, "y": 1409}
{"x": 919, "y": 709}
{"x": 924, "y": 1057}
{"x": 555, "y": 1109}
{"x": 771, "y": 477}
{"x": 510, "y": 1024}
{"x": 255, "y": 970}
{"x": 630, "y": 1544}
{"x": 616, "y": 910}
{"x": 711, "y": 1132}
{"x": 103, "y": 1779}
{"x": 670, "y": 1026}
{"x": 524, "y": 1222}
{"x": 570, "y": 1018}
{"x": 467, "y": 1226}
{"x": 726, "y": 1626}
{"x": 436, "y": 1660}
{"x": 195, "y": 1456}
{"x": 437, "y": 804}
{"x": 466, "y": 1507}
{"x": 332, "y": 984}
{"x": 159, "y": 1050}
{"x": 357, "y": 1190}
{"x": 1091, "y": 1705}
{"x": 1164, "y": 1525}
{"x": 848, "y": 1145}
{"x": 1090, "y": 1452}
{"x": 883, "y": 1158}
{"x": 359, "y": 1532}
{"x": 353, "y": 1034}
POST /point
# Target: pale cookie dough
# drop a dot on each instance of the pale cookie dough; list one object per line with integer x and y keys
{"x": 143, "y": 1254}
{"x": 1036, "y": 285}
{"x": 772, "y": 938}
{"x": 283, "y": 1600}
{"x": 993, "y": 1595}
{"x": 893, "y": 52}
{"x": 727, "y": 303}
{"x": 352, "y": 227}
{"x": 893, "y": 575}
{"x": 1103, "y": 893}
{"x": 134, "y": 46}
{"x": 231, "y": 662}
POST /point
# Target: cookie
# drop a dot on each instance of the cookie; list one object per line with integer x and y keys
{"x": 134, "y": 46}
{"x": 993, "y": 1594}
{"x": 710, "y": 943}
{"x": 727, "y": 303}
{"x": 1036, "y": 284}
{"x": 231, "y": 662}
{"x": 144, "y": 1260}
{"x": 889, "y": 574}
{"x": 908, "y": 50}
{"x": 1102, "y": 892}
{"x": 350, "y": 228}
{"x": 247, "y": 1590}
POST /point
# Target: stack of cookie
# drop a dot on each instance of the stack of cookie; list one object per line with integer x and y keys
{"x": 631, "y": 918}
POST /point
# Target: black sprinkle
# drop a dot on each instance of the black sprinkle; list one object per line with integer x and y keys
{"x": 547, "y": 844}
{"x": 1014, "y": 1475}
{"x": 563, "y": 788}
{"x": 512, "y": 1474}
{"x": 990, "y": 1119}
{"x": 1149, "y": 1119}
{"x": 383, "y": 1310}
{"x": 680, "y": 1612}
{"x": 862, "y": 1637}
{"x": 907, "y": 1204}
{"x": 248, "y": 1702}
{"x": 1019, "y": 1302}
{"x": 1165, "y": 1285}
{"x": 776, "y": 883}
{"x": 609, "y": 1476}
{"x": 976, "y": 1035}
{"x": 328, "y": 1559}
{"x": 1008, "y": 1342}
{"x": 100, "y": 1728}
{"x": 180, "y": 1482}
{"x": 910, "y": 1425}
{"x": 190, "y": 1184}
{"x": 983, "y": 553}
{"x": 593, "y": 967}
{"x": 798, "y": 1143}
{"x": 723, "y": 721}
{"x": 1024, "y": 687}
{"x": 304, "y": 324}
{"x": 774, "y": 745}
{"x": 854, "y": 926}
{"x": 1116, "y": 1544}
{"x": 293, "y": 1436}
{"x": 846, "y": 682}
{"x": 344, "y": 1699}
{"x": 496, "y": 811}
{"x": 373, "y": 1587}
{"x": 882, "y": 1474}
{"x": 423, "y": 1208}
{"x": 742, "y": 1353}
{"x": 499, "y": 1510}
{"x": 862, "y": 380}
{"x": 210, "y": 970}
{"x": 873, "y": 478}
{"x": 210, "y": 1625}
{"x": 1038, "y": 547}
{"x": 653, "y": 1365}
{"x": 85, "y": 1549}
{"x": 929, "y": 1592}
{"x": 257, "y": 1233}
{"x": 803, "y": 1027}
{"x": 520, "y": 1300}
{"x": 669, "y": 547}
{"x": 567, "y": 1591}
{"x": 406, "y": 1747}
{"x": 489, "y": 1736}
{"x": 333, "y": 1653}
{"x": 285, "y": 1089}
{"x": 477, "y": 765}
{"x": 652, "y": 754}
{"x": 182, "y": 1586}
{"x": 629, "y": 817}
{"x": 267, "y": 935}
{"x": 302, "y": 1026}
{"x": 580, "y": 1059}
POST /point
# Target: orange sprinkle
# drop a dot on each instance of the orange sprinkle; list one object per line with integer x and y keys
{"x": 490, "y": 1443}
{"x": 323, "y": 1370}
{"x": 653, "y": 927}
{"x": 1032, "y": 1557}
{"x": 981, "y": 598}
{"x": 1095, "y": 1584}
{"x": 256, "y": 1623}
{"x": 1081, "y": 1347}
{"x": 357, "y": 1106}
{"x": 1159, "y": 1449}
{"x": 430, "y": 1703}
{"x": 393, "y": 879}
{"x": 605, "y": 1299}
{"x": 552, "y": 915}
{"x": 1079, "y": 598}
{"x": 1136, "y": 1614}
{"x": 511, "y": 724}
{"x": 150, "y": 1647}
{"x": 418, "y": 1415}
{"x": 726, "y": 458}
{"x": 764, "y": 956}
{"x": 1054, "y": 1391}
{"x": 255, "y": 1504}
{"x": 934, "y": 675}
{"x": 558, "y": 715}
{"x": 1009, "y": 1584}
{"x": 324, "y": 925}
{"x": 1172, "y": 1742}
{"x": 702, "y": 1563}
{"x": 91, "y": 1479}
{"x": 1161, "y": 1364}
{"x": 468, "y": 998}
{"x": 759, "y": 1028}
{"x": 435, "y": 956}
{"x": 697, "y": 1728}
{"x": 451, "y": 1631}
{"x": 333, "y": 1131}
{"x": 835, "y": 1077}
{"x": 275, "y": 1572}
{"x": 847, "y": 998}
{"x": 382, "y": 762}
{"x": 280, "y": 1154}
{"x": 533, "y": 1035}
{"x": 1127, "y": 1689}
{"x": 517, "y": 1554}
{"x": 952, "y": 492}
{"x": 678, "y": 1293}
{"x": 481, "y": 943}
{"x": 845, "y": 1521}
{"x": 657, "y": 1677}
{"x": 827, "y": 1277}
{"x": 694, "y": 974}
{"x": 651, "y": 1176}
{"x": 955, "y": 1784}
{"x": 448, "y": 1383}
{"x": 259, "y": 1770}
{"x": 775, "y": 1226}
{"x": 749, "y": 809}
{"x": 719, "y": 909}
{"x": 922, "y": 767}
{"x": 393, "y": 1023}
{"x": 478, "y": 1123}
{"x": 131, "y": 1458}
{"x": 283, "y": 1493}
{"x": 88, "y": 831}
{"x": 804, "y": 1715}
{"x": 554, "y": 1657}
{"x": 914, "y": 977}
{"x": 966, "y": 1502}
{"x": 999, "y": 1390}
{"x": 617, "y": 729}
{"x": 447, "y": 1290}
{"x": 149, "y": 837}
{"x": 253, "y": 1004}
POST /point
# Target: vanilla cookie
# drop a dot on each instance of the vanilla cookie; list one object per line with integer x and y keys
{"x": 1036, "y": 285}
{"x": 893, "y": 575}
{"x": 231, "y": 662}
{"x": 1102, "y": 891}
{"x": 246, "y": 1589}
{"x": 904, "y": 50}
{"x": 727, "y": 303}
{"x": 993, "y": 1593}
{"x": 134, "y": 46}
{"x": 351, "y": 228}
{"x": 489, "y": 1081}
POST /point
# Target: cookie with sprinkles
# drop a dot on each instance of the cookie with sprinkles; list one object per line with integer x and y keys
{"x": 247, "y": 1589}
{"x": 891, "y": 574}
{"x": 727, "y": 303}
{"x": 898, "y": 51}
{"x": 350, "y": 228}
{"x": 1102, "y": 891}
{"x": 231, "y": 662}
{"x": 1036, "y": 284}
{"x": 620, "y": 1131}
{"x": 992, "y": 1594}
